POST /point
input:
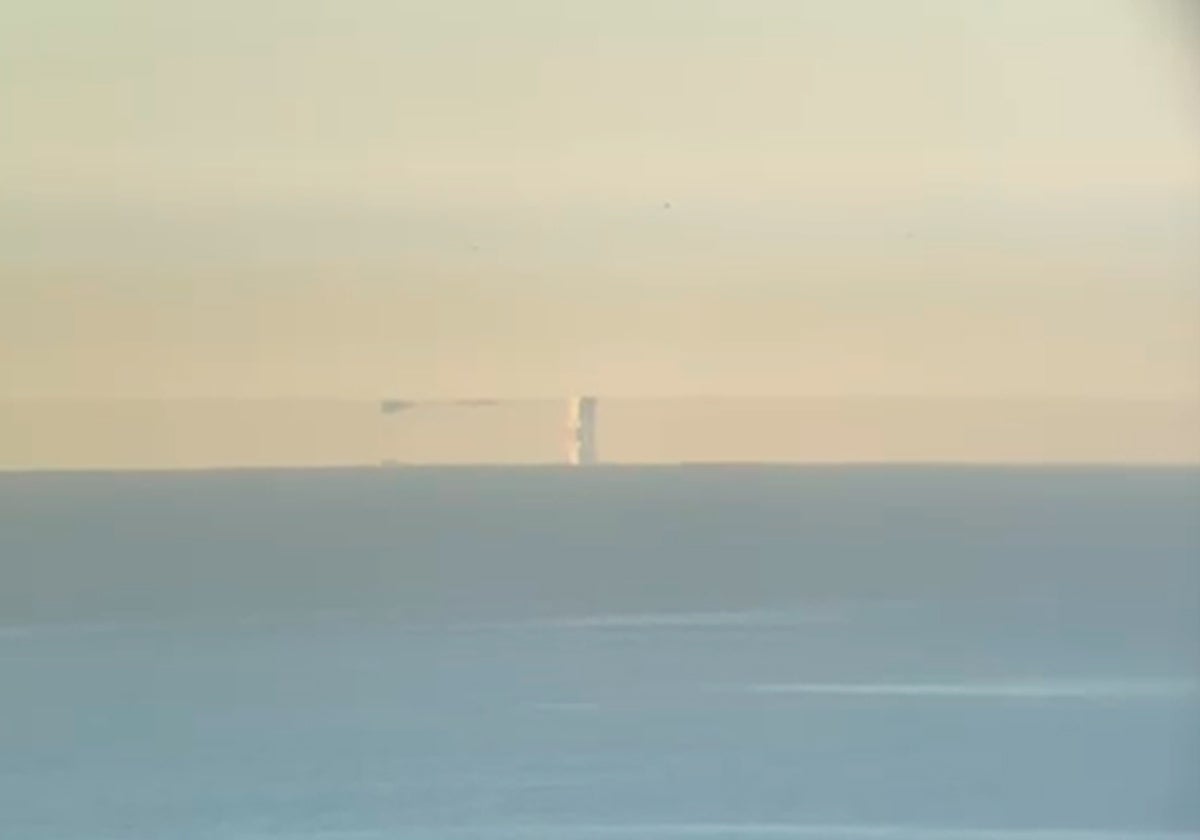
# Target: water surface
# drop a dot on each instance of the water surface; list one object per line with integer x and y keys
{"x": 713, "y": 652}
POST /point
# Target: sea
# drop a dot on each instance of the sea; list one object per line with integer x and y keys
{"x": 618, "y": 652}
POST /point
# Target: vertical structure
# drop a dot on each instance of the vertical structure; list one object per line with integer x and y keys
{"x": 581, "y": 431}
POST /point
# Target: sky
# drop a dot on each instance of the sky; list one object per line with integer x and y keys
{"x": 340, "y": 198}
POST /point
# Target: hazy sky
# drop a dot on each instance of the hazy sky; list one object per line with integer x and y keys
{"x": 470, "y": 197}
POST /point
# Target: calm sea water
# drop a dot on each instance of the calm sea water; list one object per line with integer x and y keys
{"x": 612, "y": 653}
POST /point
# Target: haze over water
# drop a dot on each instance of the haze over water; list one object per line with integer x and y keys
{"x": 229, "y": 229}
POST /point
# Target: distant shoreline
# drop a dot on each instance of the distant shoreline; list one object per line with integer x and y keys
{"x": 733, "y": 466}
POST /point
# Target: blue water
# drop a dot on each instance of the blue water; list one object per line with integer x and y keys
{"x": 716, "y": 652}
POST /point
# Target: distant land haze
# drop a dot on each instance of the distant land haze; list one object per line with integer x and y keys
{"x": 162, "y": 434}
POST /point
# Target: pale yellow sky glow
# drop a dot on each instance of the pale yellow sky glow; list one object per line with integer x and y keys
{"x": 540, "y": 197}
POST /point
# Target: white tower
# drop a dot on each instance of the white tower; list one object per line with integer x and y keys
{"x": 581, "y": 431}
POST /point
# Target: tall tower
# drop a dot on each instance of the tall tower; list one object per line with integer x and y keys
{"x": 581, "y": 431}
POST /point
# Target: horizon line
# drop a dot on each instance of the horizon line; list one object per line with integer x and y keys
{"x": 477, "y": 401}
